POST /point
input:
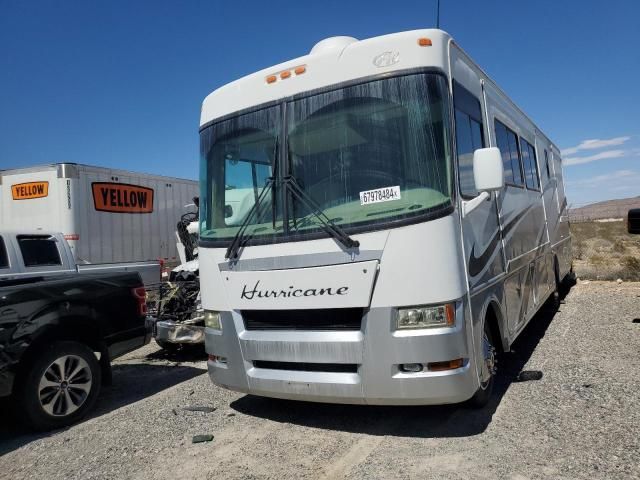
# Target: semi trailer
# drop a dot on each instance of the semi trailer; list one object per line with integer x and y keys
{"x": 106, "y": 215}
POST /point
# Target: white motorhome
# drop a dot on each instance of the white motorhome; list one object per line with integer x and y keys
{"x": 377, "y": 219}
{"x": 106, "y": 215}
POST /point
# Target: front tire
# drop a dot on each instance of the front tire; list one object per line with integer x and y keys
{"x": 168, "y": 346}
{"x": 487, "y": 370}
{"x": 60, "y": 386}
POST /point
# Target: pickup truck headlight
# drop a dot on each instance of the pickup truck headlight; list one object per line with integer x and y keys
{"x": 427, "y": 317}
{"x": 212, "y": 319}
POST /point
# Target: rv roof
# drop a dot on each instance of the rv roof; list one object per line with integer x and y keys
{"x": 330, "y": 62}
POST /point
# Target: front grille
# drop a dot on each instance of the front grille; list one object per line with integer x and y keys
{"x": 308, "y": 367}
{"x": 325, "y": 319}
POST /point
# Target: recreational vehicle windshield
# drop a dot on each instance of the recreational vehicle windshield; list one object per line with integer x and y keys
{"x": 389, "y": 133}
{"x": 377, "y": 220}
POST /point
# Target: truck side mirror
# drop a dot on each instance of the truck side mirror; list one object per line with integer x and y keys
{"x": 633, "y": 220}
{"x": 488, "y": 171}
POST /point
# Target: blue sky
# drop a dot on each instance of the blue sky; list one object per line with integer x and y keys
{"x": 120, "y": 83}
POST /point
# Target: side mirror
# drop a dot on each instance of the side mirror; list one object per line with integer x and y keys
{"x": 488, "y": 171}
{"x": 633, "y": 220}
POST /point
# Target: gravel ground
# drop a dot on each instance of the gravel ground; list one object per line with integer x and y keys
{"x": 581, "y": 420}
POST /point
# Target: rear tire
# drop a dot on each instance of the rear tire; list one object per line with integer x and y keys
{"x": 60, "y": 386}
{"x": 487, "y": 370}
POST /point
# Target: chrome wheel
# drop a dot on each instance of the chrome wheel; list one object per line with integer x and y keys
{"x": 65, "y": 385}
{"x": 489, "y": 361}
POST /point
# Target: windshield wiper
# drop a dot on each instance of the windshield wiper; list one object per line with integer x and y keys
{"x": 240, "y": 239}
{"x": 331, "y": 228}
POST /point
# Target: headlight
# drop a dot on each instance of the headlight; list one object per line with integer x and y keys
{"x": 427, "y": 317}
{"x": 212, "y": 319}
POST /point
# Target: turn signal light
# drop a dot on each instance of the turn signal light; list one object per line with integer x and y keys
{"x": 424, "y": 42}
{"x": 441, "y": 366}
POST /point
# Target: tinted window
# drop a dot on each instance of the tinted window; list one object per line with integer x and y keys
{"x": 476, "y": 135}
{"x": 508, "y": 144}
{"x": 503, "y": 144}
{"x": 464, "y": 146}
{"x": 546, "y": 163}
{"x": 524, "y": 152}
{"x": 469, "y": 136}
{"x": 4, "y": 260}
{"x": 529, "y": 163}
{"x": 39, "y": 250}
{"x": 467, "y": 102}
{"x": 534, "y": 166}
{"x": 516, "y": 163}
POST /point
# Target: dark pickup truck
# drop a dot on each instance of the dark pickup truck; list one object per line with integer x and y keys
{"x": 58, "y": 337}
{"x": 633, "y": 221}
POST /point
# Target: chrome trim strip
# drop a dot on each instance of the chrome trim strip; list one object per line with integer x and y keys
{"x": 299, "y": 261}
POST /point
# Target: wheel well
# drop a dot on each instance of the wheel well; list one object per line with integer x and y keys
{"x": 72, "y": 329}
{"x": 491, "y": 317}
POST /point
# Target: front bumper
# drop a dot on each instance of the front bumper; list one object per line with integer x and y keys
{"x": 174, "y": 332}
{"x": 376, "y": 352}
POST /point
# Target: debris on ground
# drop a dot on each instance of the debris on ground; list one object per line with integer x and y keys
{"x": 202, "y": 438}
{"x": 529, "y": 375}
{"x": 200, "y": 409}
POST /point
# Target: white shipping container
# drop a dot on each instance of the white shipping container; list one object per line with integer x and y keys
{"x": 107, "y": 215}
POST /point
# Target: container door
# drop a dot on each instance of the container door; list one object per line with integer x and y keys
{"x": 30, "y": 199}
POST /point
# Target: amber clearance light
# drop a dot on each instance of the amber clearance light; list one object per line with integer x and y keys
{"x": 284, "y": 74}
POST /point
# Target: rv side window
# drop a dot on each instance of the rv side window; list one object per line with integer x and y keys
{"x": 507, "y": 142}
{"x": 469, "y": 136}
{"x": 546, "y": 162}
{"x": 534, "y": 166}
{"x": 529, "y": 163}
{"x": 4, "y": 259}
{"x": 39, "y": 250}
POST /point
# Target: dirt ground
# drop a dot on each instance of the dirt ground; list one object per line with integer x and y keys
{"x": 580, "y": 420}
{"x": 605, "y": 251}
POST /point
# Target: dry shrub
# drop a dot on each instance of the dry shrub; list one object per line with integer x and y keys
{"x": 597, "y": 259}
{"x": 600, "y": 245}
{"x": 618, "y": 246}
{"x": 632, "y": 267}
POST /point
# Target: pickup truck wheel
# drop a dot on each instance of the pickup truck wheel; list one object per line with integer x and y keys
{"x": 60, "y": 386}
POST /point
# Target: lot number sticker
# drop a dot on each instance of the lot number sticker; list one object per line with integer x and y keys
{"x": 386, "y": 194}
